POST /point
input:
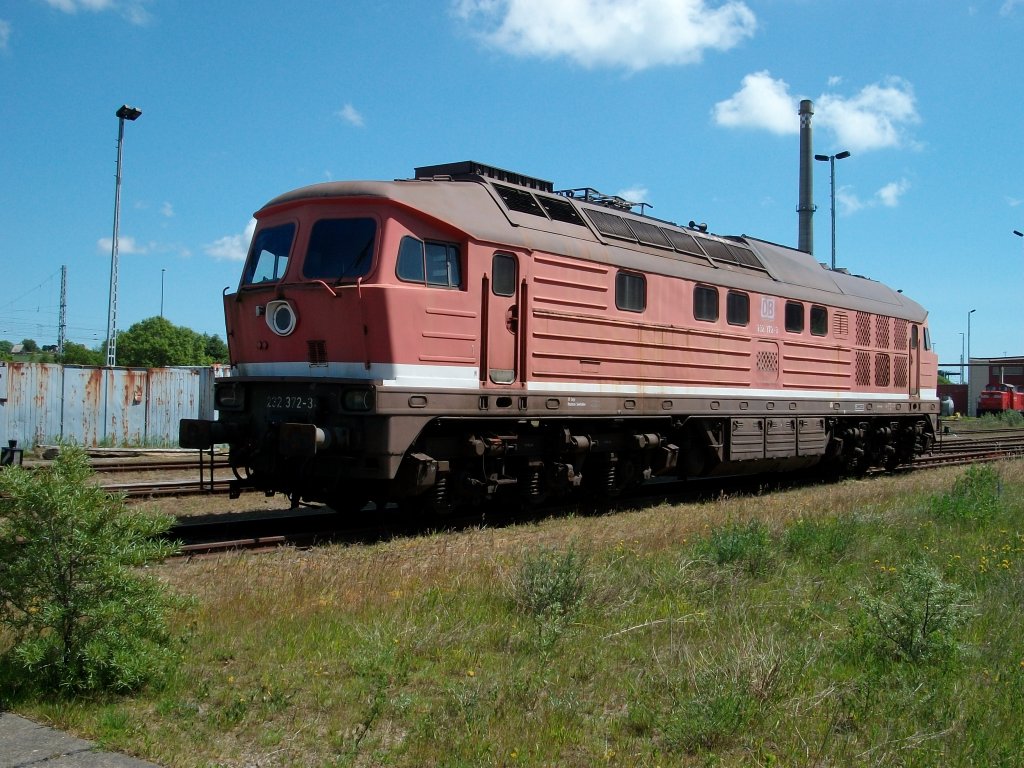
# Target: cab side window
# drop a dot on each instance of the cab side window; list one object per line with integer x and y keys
{"x": 630, "y": 292}
{"x": 794, "y": 317}
{"x": 705, "y": 303}
{"x": 819, "y": 320}
{"x": 429, "y": 262}
{"x": 737, "y": 308}
{"x": 503, "y": 274}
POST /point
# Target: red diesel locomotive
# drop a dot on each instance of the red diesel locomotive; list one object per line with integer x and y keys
{"x": 471, "y": 333}
{"x": 997, "y": 398}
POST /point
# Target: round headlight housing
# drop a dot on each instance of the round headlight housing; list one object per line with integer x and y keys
{"x": 281, "y": 318}
{"x": 357, "y": 400}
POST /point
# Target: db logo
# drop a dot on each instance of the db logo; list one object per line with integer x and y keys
{"x": 767, "y": 308}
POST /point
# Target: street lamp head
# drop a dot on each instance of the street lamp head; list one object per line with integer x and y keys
{"x": 823, "y": 158}
{"x": 1018, "y": 234}
{"x": 842, "y": 155}
{"x": 128, "y": 113}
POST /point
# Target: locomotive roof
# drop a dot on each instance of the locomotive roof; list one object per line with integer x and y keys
{"x": 516, "y": 211}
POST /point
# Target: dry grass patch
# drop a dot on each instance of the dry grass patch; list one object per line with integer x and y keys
{"x": 620, "y": 639}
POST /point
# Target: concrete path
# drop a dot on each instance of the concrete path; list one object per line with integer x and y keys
{"x": 25, "y": 744}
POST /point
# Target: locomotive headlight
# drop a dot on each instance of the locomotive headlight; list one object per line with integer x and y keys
{"x": 357, "y": 400}
{"x": 281, "y": 318}
{"x": 229, "y": 397}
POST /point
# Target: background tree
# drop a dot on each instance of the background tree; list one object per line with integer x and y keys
{"x": 156, "y": 342}
{"x": 29, "y": 345}
{"x": 5, "y": 347}
{"x": 79, "y": 354}
{"x": 216, "y": 349}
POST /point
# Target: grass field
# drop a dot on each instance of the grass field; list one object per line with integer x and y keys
{"x": 874, "y": 622}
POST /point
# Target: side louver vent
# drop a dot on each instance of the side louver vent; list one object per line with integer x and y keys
{"x": 611, "y": 225}
{"x": 728, "y": 253}
{"x": 561, "y": 210}
{"x": 519, "y": 200}
{"x": 317, "y": 351}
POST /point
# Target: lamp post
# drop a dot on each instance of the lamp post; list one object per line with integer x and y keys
{"x": 163, "y": 271}
{"x": 969, "y": 401}
{"x": 123, "y": 113}
{"x": 831, "y": 160}
{"x": 961, "y": 357}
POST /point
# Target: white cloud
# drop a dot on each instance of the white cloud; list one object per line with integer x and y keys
{"x": 167, "y": 210}
{"x": 1013, "y": 202}
{"x": 878, "y": 116}
{"x": 635, "y": 194}
{"x": 5, "y": 35}
{"x": 126, "y": 246}
{"x": 847, "y": 202}
{"x": 635, "y": 34}
{"x": 232, "y": 247}
{"x": 890, "y": 194}
{"x": 134, "y": 11}
{"x": 351, "y": 115}
{"x": 1009, "y": 6}
{"x": 761, "y": 102}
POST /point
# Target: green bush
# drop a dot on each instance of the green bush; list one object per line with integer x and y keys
{"x": 912, "y": 614}
{"x": 1002, "y": 419}
{"x": 709, "y": 720}
{"x": 746, "y": 545}
{"x": 80, "y": 615}
{"x": 551, "y": 584}
{"x": 827, "y": 539}
{"x": 976, "y": 495}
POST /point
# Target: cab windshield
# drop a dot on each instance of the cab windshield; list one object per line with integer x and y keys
{"x": 340, "y": 249}
{"x": 268, "y": 257}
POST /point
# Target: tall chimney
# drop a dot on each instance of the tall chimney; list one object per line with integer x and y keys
{"x": 805, "y": 208}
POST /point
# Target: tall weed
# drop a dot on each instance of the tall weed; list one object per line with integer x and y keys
{"x": 912, "y": 614}
{"x": 550, "y": 587}
{"x": 748, "y": 546}
{"x": 976, "y": 495}
{"x": 825, "y": 539}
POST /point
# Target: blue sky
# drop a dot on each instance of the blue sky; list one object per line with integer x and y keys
{"x": 689, "y": 105}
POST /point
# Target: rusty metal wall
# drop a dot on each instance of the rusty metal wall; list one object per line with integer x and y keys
{"x": 41, "y": 403}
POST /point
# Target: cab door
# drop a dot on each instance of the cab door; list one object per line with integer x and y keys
{"x": 915, "y": 361}
{"x": 501, "y": 321}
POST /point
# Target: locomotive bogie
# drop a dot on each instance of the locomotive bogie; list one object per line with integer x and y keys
{"x": 468, "y": 337}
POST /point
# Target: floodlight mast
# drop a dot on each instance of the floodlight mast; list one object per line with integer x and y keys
{"x": 831, "y": 160}
{"x": 123, "y": 113}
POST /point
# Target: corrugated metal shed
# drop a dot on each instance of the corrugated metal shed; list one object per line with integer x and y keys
{"x": 45, "y": 402}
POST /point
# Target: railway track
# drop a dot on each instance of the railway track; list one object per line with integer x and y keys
{"x": 309, "y": 526}
{"x": 964, "y": 447}
{"x": 147, "y": 489}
